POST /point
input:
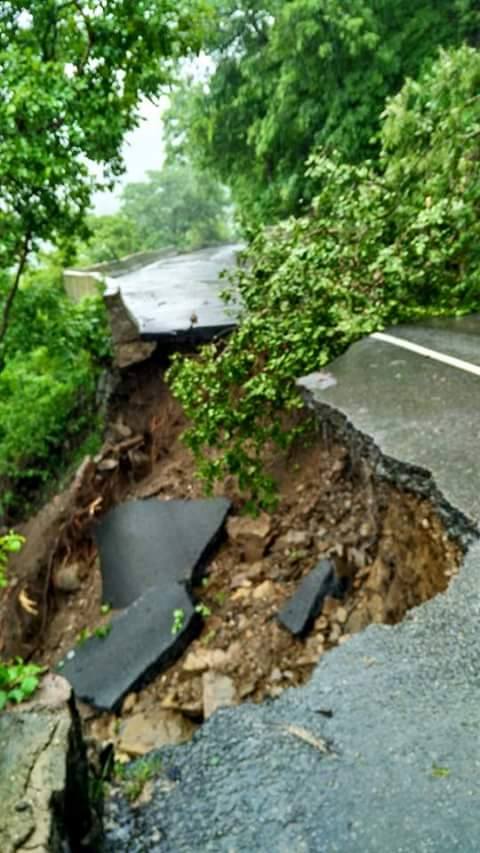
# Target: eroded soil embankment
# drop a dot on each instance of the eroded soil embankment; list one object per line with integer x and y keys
{"x": 390, "y": 543}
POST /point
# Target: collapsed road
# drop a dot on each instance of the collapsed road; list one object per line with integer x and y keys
{"x": 177, "y": 297}
{"x": 379, "y": 751}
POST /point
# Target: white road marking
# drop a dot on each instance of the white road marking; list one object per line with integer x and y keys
{"x": 428, "y": 353}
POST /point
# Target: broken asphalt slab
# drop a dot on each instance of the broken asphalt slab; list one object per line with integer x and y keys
{"x": 178, "y": 298}
{"x": 141, "y": 642}
{"x": 398, "y": 705}
{"x": 143, "y": 543}
{"x": 151, "y": 554}
{"x": 299, "y": 612}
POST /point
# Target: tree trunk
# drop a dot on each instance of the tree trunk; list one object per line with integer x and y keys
{"x": 13, "y": 290}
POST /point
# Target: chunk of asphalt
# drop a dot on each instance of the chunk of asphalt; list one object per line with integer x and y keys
{"x": 139, "y": 645}
{"x": 303, "y": 607}
{"x": 144, "y": 543}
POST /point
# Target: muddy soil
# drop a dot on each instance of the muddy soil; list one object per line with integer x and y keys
{"x": 390, "y": 543}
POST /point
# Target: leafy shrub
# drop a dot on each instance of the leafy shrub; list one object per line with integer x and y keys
{"x": 382, "y": 244}
{"x": 17, "y": 680}
{"x": 50, "y": 363}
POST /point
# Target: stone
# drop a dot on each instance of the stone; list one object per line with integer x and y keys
{"x": 129, "y": 703}
{"x": 138, "y": 647}
{"x": 251, "y": 535}
{"x": 44, "y": 786}
{"x": 357, "y": 621}
{"x": 239, "y": 581}
{"x": 293, "y": 540}
{"x": 121, "y": 429}
{"x": 107, "y": 465}
{"x": 143, "y": 543}
{"x": 264, "y": 591}
{"x": 301, "y": 610}
{"x": 146, "y": 731}
{"x": 67, "y": 578}
{"x": 203, "y": 659}
{"x": 241, "y": 594}
{"x": 256, "y": 569}
{"x": 218, "y": 692}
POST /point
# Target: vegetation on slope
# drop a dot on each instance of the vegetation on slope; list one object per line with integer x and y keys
{"x": 383, "y": 242}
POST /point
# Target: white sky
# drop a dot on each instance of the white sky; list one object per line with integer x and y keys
{"x": 143, "y": 150}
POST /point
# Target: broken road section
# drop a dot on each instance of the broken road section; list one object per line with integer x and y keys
{"x": 151, "y": 554}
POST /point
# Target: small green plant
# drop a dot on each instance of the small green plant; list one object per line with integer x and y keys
{"x": 203, "y": 610}
{"x": 133, "y": 777}
{"x": 105, "y": 608}
{"x": 83, "y": 636}
{"x": 209, "y": 636}
{"x": 18, "y": 681}
{"x": 440, "y": 772}
{"x": 178, "y": 621}
{"x": 86, "y": 634}
{"x": 220, "y": 597}
{"x": 10, "y": 543}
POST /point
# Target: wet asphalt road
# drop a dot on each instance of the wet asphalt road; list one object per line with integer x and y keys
{"x": 179, "y": 296}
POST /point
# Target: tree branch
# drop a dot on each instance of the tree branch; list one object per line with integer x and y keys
{"x": 13, "y": 290}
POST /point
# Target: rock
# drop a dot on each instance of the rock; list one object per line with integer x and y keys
{"x": 218, "y": 692}
{"x": 335, "y": 634}
{"x": 376, "y": 608}
{"x": 203, "y": 659}
{"x": 129, "y": 703}
{"x": 44, "y": 785}
{"x": 264, "y": 590}
{"x": 330, "y": 606}
{"x": 241, "y": 594}
{"x": 300, "y": 611}
{"x": 107, "y": 465}
{"x": 121, "y": 430}
{"x": 187, "y": 707}
{"x": 357, "y": 621}
{"x": 239, "y": 581}
{"x": 256, "y": 569}
{"x": 67, "y": 578}
{"x": 251, "y": 535}
{"x": 144, "y": 732}
{"x": 293, "y": 540}
{"x": 341, "y": 615}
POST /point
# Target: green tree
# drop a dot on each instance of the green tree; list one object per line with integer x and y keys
{"x": 177, "y": 206}
{"x": 111, "y": 237}
{"x": 291, "y": 76}
{"x": 384, "y": 242}
{"x": 71, "y": 75}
